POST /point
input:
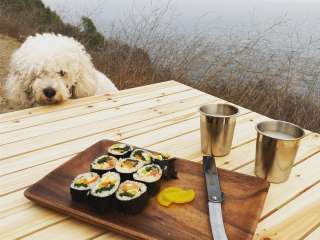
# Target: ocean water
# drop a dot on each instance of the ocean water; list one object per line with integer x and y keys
{"x": 286, "y": 29}
{"x": 286, "y": 23}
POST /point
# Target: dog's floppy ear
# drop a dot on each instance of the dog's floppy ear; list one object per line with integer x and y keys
{"x": 84, "y": 87}
{"x": 86, "y": 83}
{"x": 17, "y": 90}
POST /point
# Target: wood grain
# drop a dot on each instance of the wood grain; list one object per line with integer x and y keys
{"x": 99, "y": 110}
{"x": 72, "y": 103}
{"x": 295, "y": 220}
{"x": 244, "y": 198}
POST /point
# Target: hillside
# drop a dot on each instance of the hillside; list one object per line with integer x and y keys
{"x": 251, "y": 74}
{"x": 7, "y": 46}
{"x": 127, "y": 66}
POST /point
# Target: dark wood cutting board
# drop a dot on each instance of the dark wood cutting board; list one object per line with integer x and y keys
{"x": 244, "y": 199}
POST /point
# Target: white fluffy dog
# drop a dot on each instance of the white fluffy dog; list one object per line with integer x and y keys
{"x": 50, "y": 68}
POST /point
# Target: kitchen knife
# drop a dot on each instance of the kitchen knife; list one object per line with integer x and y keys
{"x": 215, "y": 198}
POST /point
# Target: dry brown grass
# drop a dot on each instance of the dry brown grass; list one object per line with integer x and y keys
{"x": 282, "y": 84}
{"x": 128, "y": 66}
{"x": 7, "y": 46}
{"x": 252, "y": 74}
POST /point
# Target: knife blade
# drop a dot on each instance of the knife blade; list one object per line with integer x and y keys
{"x": 215, "y": 198}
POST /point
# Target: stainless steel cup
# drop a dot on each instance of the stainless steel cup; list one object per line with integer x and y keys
{"x": 276, "y": 149}
{"x": 217, "y": 122}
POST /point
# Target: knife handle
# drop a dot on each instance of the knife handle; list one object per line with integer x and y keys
{"x": 206, "y": 162}
{"x": 213, "y": 183}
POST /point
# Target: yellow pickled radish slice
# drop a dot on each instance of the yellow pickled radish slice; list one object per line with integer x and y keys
{"x": 175, "y": 195}
{"x": 171, "y": 189}
{"x": 161, "y": 199}
{"x": 183, "y": 196}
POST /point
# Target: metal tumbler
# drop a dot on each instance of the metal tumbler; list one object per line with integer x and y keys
{"x": 276, "y": 148}
{"x": 217, "y": 123}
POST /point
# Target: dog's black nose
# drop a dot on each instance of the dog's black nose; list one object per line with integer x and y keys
{"x": 49, "y": 92}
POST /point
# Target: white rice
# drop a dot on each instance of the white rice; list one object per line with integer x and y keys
{"x": 118, "y": 145}
{"x": 95, "y": 164}
{"x": 145, "y": 154}
{"x": 142, "y": 187}
{"x": 121, "y": 169}
{"x": 108, "y": 175}
{"x": 85, "y": 175}
{"x": 139, "y": 176}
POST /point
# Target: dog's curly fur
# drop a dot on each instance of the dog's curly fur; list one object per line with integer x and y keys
{"x": 56, "y": 62}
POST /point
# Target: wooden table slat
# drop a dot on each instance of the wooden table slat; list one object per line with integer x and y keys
{"x": 30, "y": 112}
{"x": 160, "y": 116}
{"x": 295, "y": 220}
{"x": 67, "y": 119}
{"x": 163, "y": 113}
{"x": 23, "y": 180}
{"x": 302, "y": 177}
{"x": 315, "y": 235}
{"x": 126, "y": 132}
{"x": 92, "y": 109}
{"x": 137, "y": 136}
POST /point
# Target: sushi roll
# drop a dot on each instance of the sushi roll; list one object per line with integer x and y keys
{"x": 101, "y": 196}
{"x": 131, "y": 197}
{"x": 120, "y": 150}
{"x": 142, "y": 155}
{"x": 167, "y": 165}
{"x": 82, "y": 184}
{"x": 103, "y": 164}
{"x": 150, "y": 175}
{"x": 126, "y": 167}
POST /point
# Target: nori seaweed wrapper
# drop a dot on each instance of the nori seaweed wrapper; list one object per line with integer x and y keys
{"x": 100, "y": 172}
{"x": 79, "y": 195}
{"x": 125, "y": 154}
{"x": 101, "y": 204}
{"x": 134, "y": 205}
{"x": 79, "y": 186}
{"x": 125, "y": 176}
{"x": 101, "y": 197}
{"x": 168, "y": 168}
{"x": 153, "y": 187}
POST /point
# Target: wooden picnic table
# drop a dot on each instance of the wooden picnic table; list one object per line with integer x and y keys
{"x": 162, "y": 117}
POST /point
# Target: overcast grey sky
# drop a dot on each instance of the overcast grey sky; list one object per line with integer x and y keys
{"x": 301, "y": 17}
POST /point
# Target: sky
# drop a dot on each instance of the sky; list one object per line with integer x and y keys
{"x": 300, "y": 19}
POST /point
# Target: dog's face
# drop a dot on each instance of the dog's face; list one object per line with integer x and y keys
{"x": 49, "y": 69}
{"x": 51, "y": 87}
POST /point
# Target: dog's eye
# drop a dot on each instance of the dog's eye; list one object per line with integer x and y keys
{"x": 62, "y": 73}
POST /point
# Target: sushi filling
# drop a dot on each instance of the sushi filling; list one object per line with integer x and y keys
{"x": 141, "y": 155}
{"x": 161, "y": 156}
{"x": 119, "y": 149}
{"x": 85, "y": 181}
{"x": 104, "y": 162}
{"x": 129, "y": 190}
{"x": 148, "y": 173}
{"x": 107, "y": 185}
{"x": 167, "y": 164}
{"x": 128, "y": 165}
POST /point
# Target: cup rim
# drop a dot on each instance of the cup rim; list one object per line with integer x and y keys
{"x": 220, "y": 116}
{"x": 285, "y": 122}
